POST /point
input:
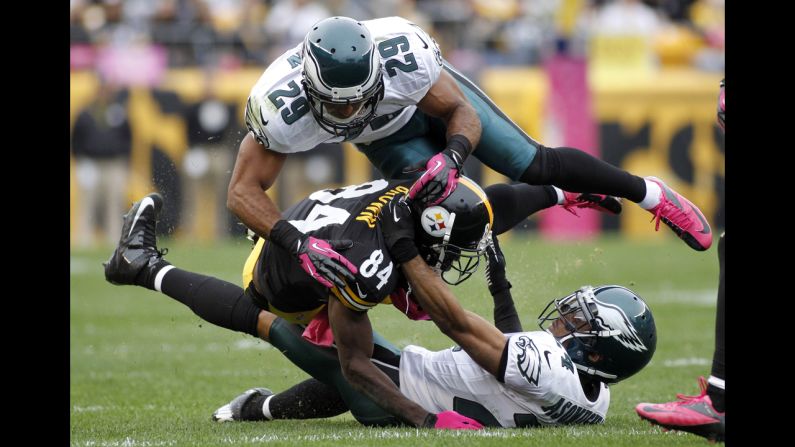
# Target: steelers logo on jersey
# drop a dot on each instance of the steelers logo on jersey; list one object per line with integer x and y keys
{"x": 435, "y": 220}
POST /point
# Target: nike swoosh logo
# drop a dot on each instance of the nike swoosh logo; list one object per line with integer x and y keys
{"x": 423, "y": 42}
{"x": 546, "y": 354}
{"x": 705, "y": 229}
{"x": 438, "y": 163}
{"x": 144, "y": 203}
{"x": 394, "y": 214}
{"x": 318, "y": 248}
{"x": 361, "y": 295}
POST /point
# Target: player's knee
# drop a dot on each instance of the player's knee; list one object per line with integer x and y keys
{"x": 264, "y": 322}
{"x": 542, "y": 169}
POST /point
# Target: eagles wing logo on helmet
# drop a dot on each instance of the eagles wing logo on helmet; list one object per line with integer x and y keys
{"x": 434, "y": 220}
{"x": 613, "y": 317}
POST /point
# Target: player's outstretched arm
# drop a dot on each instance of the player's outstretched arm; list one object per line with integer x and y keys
{"x": 446, "y": 101}
{"x": 479, "y": 338}
{"x": 354, "y": 337}
{"x": 256, "y": 168}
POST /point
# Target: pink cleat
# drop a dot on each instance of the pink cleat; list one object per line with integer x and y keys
{"x": 682, "y": 216}
{"x": 693, "y": 414}
{"x": 599, "y": 202}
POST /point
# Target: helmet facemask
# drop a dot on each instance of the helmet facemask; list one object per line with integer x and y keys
{"x": 446, "y": 256}
{"x": 327, "y": 108}
{"x": 579, "y": 314}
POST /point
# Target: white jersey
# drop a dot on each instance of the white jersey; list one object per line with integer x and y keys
{"x": 279, "y": 114}
{"x": 540, "y": 386}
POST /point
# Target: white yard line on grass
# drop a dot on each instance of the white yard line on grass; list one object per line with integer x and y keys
{"x": 126, "y": 442}
{"x": 703, "y": 297}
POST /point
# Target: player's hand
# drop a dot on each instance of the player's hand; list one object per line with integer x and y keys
{"x": 320, "y": 259}
{"x": 452, "y": 420}
{"x": 439, "y": 179}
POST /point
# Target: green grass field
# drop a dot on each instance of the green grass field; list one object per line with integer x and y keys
{"x": 145, "y": 371}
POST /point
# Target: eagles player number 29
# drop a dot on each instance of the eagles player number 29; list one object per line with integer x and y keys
{"x": 321, "y": 215}
{"x": 390, "y": 48}
{"x": 297, "y": 109}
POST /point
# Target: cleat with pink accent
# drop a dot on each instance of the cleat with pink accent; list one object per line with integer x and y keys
{"x": 684, "y": 218}
{"x": 599, "y": 202}
{"x": 693, "y": 414}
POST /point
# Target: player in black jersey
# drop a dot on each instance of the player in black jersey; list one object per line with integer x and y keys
{"x": 393, "y": 247}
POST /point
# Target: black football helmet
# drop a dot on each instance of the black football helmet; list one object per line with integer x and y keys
{"x": 342, "y": 75}
{"x": 611, "y": 321}
{"x": 454, "y": 234}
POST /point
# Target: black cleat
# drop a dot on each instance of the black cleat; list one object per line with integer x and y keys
{"x": 136, "y": 256}
{"x": 600, "y": 202}
{"x": 245, "y": 407}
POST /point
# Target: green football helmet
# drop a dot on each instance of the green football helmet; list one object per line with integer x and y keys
{"x": 342, "y": 75}
{"x": 611, "y": 321}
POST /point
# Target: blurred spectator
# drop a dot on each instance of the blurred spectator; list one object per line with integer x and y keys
{"x": 186, "y": 27}
{"x": 250, "y": 35}
{"x": 626, "y": 17}
{"x": 709, "y": 18}
{"x": 101, "y": 146}
{"x": 289, "y": 21}
{"x": 208, "y": 164}
{"x": 623, "y": 34}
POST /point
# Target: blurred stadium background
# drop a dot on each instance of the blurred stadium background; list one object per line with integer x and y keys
{"x": 158, "y": 89}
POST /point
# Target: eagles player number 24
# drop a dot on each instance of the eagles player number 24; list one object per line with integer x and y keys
{"x": 322, "y": 215}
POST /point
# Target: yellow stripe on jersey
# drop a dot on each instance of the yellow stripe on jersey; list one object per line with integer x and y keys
{"x": 251, "y": 262}
{"x": 356, "y": 297}
{"x": 479, "y": 192}
{"x": 299, "y": 317}
{"x": 348, "y": 301}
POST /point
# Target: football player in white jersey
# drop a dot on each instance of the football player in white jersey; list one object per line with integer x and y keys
{"x": 383, "y": 85}
{"x": 594, "y": 337}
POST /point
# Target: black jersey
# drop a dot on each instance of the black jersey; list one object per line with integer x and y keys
{"x": 368, "y": 214}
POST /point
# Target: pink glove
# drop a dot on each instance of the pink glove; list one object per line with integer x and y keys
{"x": 455, "y": 421}
{"x": 438, "y": 181}
{"x": 322, "y": 262}
{"x": 317, "y": 257}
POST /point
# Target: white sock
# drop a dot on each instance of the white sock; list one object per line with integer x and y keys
{"x": 266, "y": 408}
{"x": 561, "y": 197}
{"x": 160, "y": 275}
{"x": 716, "y": 382}
{"x": 652, "y": 198}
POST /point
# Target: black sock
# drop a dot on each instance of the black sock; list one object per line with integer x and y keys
{"x": 514, "y": 203}
{"x": 576, "y": 171}
{"x": 718, "y": 397}
{"x": 146, "y": 277}
{"x": 309, "y": 399}
{"x": 214, "y": 300}
{"x": 719, "y": 357}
